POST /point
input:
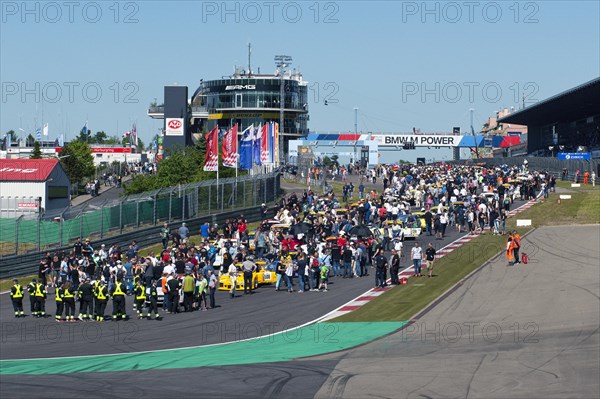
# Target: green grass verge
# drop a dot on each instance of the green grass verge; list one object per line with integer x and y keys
{"x": 582, "y": 208}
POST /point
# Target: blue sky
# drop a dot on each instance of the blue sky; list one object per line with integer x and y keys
{"x": 403, "y": 64}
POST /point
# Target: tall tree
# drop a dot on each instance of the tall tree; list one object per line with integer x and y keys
{"x": 13, "y": 136}
{"x": 84, "y": 136}
{"x": 100, "y": 137}
{"x": 37, "y": 151}
{"x": 29, "y": 141}
{"x": 76, "y": 158}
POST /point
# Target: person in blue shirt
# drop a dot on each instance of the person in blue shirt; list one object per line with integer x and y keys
{"x": 205, "y": 230}
{"x": 184, "y": 232}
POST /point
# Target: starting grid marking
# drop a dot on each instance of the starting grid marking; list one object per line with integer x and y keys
{"x": 371, "y": 294}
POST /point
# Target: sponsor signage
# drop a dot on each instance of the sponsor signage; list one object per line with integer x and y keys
{"x": 418, "y": 141}
{"x": 111, "y": 150}
{"x": 273, "y": 85}
{"x": 174, "y": 127}
{"x": 240, "y": 87}
{"x": 578, "y": 156}
{"x": 488, "y": 142}
{"x": 18, "y": 170}
{"x": 27, "y": 205}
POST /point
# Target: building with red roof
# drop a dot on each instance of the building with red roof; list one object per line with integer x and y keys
{"x": 32, "y": 185}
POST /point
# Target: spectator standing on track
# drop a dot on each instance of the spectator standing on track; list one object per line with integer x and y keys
{"x": 189, "y": 285}
{"x": 380, "y": 272}
{"x": 213, "y": 282}
{"x": 416, "y": 254}
{"x": 324, "y": 278}
{"x": 347, "y": 261}
{"x": 429, "y": 258}
{"x": 249, "y": 267}
{"x": 232, "y": 272}
{"x": 394, "y": 267}
{"x": 289, "y": 273}
{"x": 301, "y": 267}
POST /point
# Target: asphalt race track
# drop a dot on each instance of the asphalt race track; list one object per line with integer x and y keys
{"x": 527, "y": 331}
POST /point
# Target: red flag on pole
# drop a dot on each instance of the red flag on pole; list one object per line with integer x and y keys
{"x": 229, "y": 147}
{"x": 264, "y": 144}
{"x": 211, "y": 163}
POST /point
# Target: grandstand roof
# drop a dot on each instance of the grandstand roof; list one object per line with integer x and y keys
{"x": 574, "y": 104}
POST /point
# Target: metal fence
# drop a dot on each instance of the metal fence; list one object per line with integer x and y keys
{"x": 135, "y": 212}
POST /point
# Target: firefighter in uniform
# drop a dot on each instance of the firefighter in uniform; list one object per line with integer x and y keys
{"x": 136, "y": 279}
{"x": 140, "y": 297}
{"x": 86, "y": 298}
{"x": 16, "y": 295}
{"x": 58, "y": 297}
{"x": 31, "y": 291}
{"x": 95, "y": 285}
{"x": 40, "y": 300}
{"x": 68, "y": 296}
{"x": 117, "y": 293}
{"x": 101, "y": 295}
{"x": 152, "y": 301}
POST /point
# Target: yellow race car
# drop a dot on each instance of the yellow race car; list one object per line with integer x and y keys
{"x": 259, "y": 277}
{"x": 225, "y": 282}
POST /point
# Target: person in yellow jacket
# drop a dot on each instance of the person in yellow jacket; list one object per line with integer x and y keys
{"x": 201, "y": 287}
{"x": 118, "y": 292}
{"x": 68, "y": 297}
{"x": 31, "y": 291}
{"x": 16, "y": 295}
{"x": 40, "y": 300}
{"x": 58, "y": 297}
{"x": 101, "y": 296}
{"x": 188, "y": 287}
{"x": 140, "y": 297}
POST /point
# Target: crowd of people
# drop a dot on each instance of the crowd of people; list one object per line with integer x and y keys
{"x": 306, "y": 241}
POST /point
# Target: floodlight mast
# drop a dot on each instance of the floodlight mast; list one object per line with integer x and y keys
{"x": 281, "y": 62}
